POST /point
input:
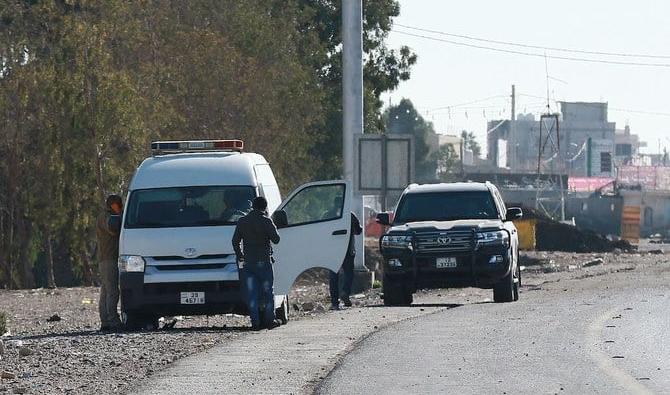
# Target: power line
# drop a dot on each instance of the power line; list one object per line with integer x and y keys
{"x": 534, "y": 54}
{"x": 662, "y": 114}
{"x": 615, "y": 109}
{"x": 466, "y": 103}
{"x": 536, "y": 46}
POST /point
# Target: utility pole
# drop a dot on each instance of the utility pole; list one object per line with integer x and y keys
{"x": 513, "y": 117}
{"x": 352, "y": 81}
{"x": 512, "y": 140}
{"x": 352, "y": 117}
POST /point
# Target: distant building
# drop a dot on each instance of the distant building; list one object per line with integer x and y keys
{"x": 437, "y": 140}
{"x": 626, "y": 147}
{"x": 589, "y": 145}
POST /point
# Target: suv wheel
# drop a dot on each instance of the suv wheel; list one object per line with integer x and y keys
{"x": 396, "y": 293}
{"x": 504, "y": 291}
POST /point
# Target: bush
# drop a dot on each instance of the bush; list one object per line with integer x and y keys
{"x": 3, "y": 323}
{"x": 376, "y": 284}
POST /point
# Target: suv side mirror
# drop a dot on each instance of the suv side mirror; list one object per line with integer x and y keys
{"x": 513, "y": 213}
{"x": 384, "y": 219}
{"x": 280, "y": 219}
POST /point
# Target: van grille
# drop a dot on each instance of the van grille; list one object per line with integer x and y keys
{"x": 452, "y": 241}
{"x": 204, "y": 266}
{"x": 209, "y": 286}
{"x": 181, "y": 258}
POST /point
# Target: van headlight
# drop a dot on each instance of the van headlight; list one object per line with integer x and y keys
{"x": 131, "y": 263}
{"x": 495, "y": 238}
{"x": 397, "y": 241}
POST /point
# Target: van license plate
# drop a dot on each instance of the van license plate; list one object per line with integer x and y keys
{"x": 192, "y": 298}
{"x": 442, "y": 263}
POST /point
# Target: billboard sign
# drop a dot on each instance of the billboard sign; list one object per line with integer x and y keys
{"x": 383, "y": 163}
{"x": 645, "y": 177}
{"x": 588, "y": 184}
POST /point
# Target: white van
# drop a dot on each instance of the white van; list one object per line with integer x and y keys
{"x": 175, "y": 250}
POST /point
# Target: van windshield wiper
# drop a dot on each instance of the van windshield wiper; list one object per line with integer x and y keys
{"x": 213, "y": 222}
{"x": 148, "y": 225}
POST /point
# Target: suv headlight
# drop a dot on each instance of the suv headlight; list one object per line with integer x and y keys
{"x": 131, "y": 263}
{"x": 397, "y": 241}
{"x": 494, "y": 238}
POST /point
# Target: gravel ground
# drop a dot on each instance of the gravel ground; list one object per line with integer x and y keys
{"x": 70, "y": 356}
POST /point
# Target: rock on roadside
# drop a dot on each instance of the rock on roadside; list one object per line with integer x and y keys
{"x": 594, "y": 262}
{"x": 25, "y": 351}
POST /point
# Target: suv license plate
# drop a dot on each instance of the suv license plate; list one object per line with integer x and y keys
{"x": 192, "y": 298}
{"x": 442, "y": 263}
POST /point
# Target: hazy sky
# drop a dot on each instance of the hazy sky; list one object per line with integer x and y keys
{"x": 448, "y": 74}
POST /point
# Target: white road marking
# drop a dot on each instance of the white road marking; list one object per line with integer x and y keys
{"x": 605, "y": 362}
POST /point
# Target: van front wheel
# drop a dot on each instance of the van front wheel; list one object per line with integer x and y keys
{"x": 133, "y": 321}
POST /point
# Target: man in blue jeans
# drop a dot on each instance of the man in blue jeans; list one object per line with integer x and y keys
{"x": 255, "y": 231}
{"x": 347, "y": 270}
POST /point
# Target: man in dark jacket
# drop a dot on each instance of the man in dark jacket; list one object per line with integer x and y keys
{"x": 347, "y": 269}
{"x": 255, "y": 231}
{"x": 108, "y": 255}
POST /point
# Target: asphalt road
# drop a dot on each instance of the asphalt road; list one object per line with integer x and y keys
{"x": 600, "y": 329}
{"x": 603, "y": 334}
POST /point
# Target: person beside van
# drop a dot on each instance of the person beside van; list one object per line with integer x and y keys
{"x": 251, "y": 241}
{"x": 107, "y": 232}
{"x": 347, "y": 270}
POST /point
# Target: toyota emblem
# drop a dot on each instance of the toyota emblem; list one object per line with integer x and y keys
{"x": 444, "y": 240}
{"x": 190, "y": 252}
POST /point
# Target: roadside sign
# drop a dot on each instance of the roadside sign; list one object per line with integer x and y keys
{"x": 383, "y": 163}
{"x": 630, "y": 224}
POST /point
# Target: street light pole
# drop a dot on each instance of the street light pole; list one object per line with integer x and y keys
{"x": 352, "y": 117}
{"x": 352, "y": 81}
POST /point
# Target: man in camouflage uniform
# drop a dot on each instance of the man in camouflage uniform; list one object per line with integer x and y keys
{"x": 107, "y": 233}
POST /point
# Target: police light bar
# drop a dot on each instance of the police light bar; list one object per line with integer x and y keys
{"x": 165, "y": 147}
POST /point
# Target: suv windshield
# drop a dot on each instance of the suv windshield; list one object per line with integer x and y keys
{"x": 188, "y": 206}
{"x": 445, "y": 206}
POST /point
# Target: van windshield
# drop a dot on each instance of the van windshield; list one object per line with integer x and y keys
{"x": 445, "y": 206}
{"x": 188, "y": 206}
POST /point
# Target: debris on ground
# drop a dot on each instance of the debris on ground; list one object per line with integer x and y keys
{"x": 25, "y": 351}
{"x": 54, "y": 318}
{"x": 7, "y": 375}
{"x": 593, "y": 262}
{"x": 552, "y": 235}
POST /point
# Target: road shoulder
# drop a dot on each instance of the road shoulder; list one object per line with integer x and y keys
{"x": 289, "y": 359}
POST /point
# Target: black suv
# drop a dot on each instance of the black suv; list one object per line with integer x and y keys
{"x": 450, "y": 235}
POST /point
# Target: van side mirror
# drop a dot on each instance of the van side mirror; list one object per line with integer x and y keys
{"x": 513, "y": 213}
{"x": 114, "y": 223}
{"x": 280, "y": 219}
{"x": 384, "y": 219}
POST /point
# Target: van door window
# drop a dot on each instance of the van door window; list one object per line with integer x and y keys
{"x": 315, "y": 204}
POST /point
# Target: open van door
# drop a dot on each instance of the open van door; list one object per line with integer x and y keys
{"x": 314, "y": 224}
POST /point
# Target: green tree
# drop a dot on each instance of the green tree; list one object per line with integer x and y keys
{"x": 85, "y": 85}
{"x": 446, "y": 160}
{"x": 470, "y": 143}
{"x": 404, "y": 119}
{"x": 320, "y": 24}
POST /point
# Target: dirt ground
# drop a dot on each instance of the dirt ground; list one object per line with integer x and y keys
{"x": 66, "y": 354}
